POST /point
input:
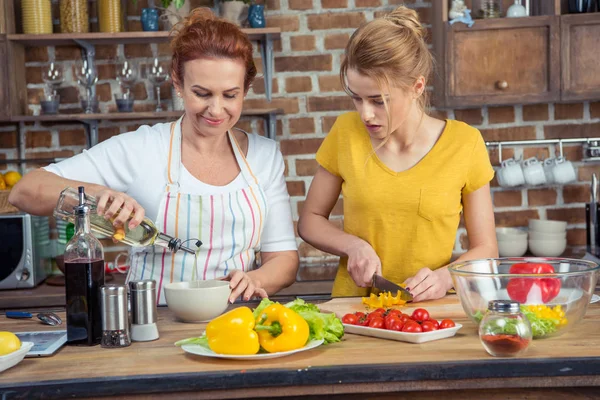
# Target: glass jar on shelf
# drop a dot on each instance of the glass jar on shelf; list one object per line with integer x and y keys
{"x": 110, "y": 16}
{"x": 504, "y": 331}
{"x": 487, "y": 9}
{"x": 74, "y": 16}
{"x": 36, "y": 16}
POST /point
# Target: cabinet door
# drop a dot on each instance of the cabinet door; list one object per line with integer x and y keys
{"x": 580, "y": 50}
{"x": 4, "y": 81}
{"x": 503, "y": 62}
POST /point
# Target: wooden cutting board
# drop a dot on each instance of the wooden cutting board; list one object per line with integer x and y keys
{"x": 446, "y": 307}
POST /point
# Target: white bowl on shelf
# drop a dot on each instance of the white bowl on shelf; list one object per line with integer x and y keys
{"x": 503, "y": 234}
{"x": 548, "y": 226}
{"x": 547, "y": 248}
{"x": 512, "y": 248}
{"x": 536, "y": 235}
{"x": 10, "y": 360}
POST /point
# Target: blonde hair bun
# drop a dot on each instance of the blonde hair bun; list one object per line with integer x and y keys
{"x": 405, "y": 17}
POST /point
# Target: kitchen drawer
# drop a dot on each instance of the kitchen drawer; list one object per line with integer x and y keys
{"x": 492, "y": 63}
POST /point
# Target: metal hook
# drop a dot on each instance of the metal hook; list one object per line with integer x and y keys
{"x": 500, "y": 153}
{"x": 560, "y": 147}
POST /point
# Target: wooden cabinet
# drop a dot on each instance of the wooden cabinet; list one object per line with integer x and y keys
{"x": 580, "y": 50}
{"x": 545, "y": 58}
{"x": 4, "y": 89}
{"x": 492, "y": 64}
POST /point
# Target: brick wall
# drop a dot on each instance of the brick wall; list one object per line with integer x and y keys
{"x": 306, "y": 86}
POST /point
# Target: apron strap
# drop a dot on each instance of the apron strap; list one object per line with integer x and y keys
{"x": 174, "y": 163}
{"x": 241, "y": 160}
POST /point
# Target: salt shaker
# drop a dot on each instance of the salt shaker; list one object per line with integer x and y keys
{"x": 143, "y": 310}
{"x": 115, "y": 319}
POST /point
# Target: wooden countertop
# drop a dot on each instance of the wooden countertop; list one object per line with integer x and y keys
{"x": 358, "y": 364}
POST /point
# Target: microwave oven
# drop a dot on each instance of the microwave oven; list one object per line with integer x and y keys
{"x": 25, "y": 250}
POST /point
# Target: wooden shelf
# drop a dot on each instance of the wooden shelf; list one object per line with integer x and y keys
{"x": 99, "y": 38}
{"x": 116, "y": 116}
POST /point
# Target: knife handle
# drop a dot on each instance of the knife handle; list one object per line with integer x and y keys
{"x": 18, "y": 314}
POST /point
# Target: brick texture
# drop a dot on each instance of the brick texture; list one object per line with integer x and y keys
{"x": 303, "y": 63}
{"x": 535, "y": 112}
{"x": 541, "y": 197}
{"x": 303, "y": 43}
{"x": 501, "y": 115}
{"x": 472, "y": 116}
{"x": 568, "y": 111}
{"x": 335, "y": 21}
{"x": 298, "y": 84}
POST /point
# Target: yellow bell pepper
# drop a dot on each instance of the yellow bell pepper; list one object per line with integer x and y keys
{"x": 281, "y": 329}
{"x": 233, "y": 333}
{"x": 383, "y": 300}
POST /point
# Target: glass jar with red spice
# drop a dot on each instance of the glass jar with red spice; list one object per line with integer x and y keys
{"x": 504, "y": 331}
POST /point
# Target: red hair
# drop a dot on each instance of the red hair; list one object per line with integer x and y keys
{"x": 202, "y": 35}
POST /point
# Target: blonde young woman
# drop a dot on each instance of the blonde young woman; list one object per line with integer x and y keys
{"x": 404, "y": 175}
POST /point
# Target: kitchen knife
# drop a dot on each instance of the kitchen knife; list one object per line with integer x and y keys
{"x": 384, "y": 285}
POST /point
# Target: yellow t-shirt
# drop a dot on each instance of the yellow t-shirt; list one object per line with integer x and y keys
{"x": 409, "y": 217}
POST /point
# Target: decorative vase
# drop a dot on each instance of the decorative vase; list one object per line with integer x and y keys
{"x": 256, "y": 16}
{"x": 517, "y": 10}
{"x": 149, "y": 19}
{"x": 172, "y": 15}
{"x": 234, "y": 11}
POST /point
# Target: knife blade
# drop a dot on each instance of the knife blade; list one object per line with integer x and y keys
{"x": 384, "y": 285}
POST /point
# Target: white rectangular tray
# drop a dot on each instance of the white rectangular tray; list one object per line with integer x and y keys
{"x": 402, "y": 336}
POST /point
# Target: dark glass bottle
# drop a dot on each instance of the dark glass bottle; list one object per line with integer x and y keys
{"x": 84, "y": 276}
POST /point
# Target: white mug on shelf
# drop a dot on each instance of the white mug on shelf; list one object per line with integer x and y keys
{"x": 563, "y": 171}
{"x": 512, "y": 173}
{"x": 533, "y": 172}
{"x": 548, "y": 167}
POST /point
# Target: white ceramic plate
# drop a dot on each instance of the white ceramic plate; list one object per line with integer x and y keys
{"x": 595, "y": 298}
{"x": 402, "y": 336}
{"x": 12, "y": 359}
{"x": 203, "y": 351}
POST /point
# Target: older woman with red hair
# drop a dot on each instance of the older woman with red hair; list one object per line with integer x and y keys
{"x": 196, "y": 177}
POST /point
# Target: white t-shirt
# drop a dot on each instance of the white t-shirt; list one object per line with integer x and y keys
{"x": 136, "y": 163}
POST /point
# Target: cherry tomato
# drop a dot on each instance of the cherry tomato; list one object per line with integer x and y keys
{"x": 435, "y": 323}
{"x": 363, "y": 321}
{"x": 380, "y": 310}
{"x": 428, "y": 326}
{"x": 390, "y": 320}
{"x": 350, "y": 319}
{"x": 394, "y": 312}
{"x": 376, "y": 323}
{"x": 420, "y": 315}
{"x": 372, "y": 316}
{"x": 405, "y": 318}
{"x": 397, "y": 326}
{"x": 412, "y": 326}
{"x": 447, "y": 323}
{"x": 359, "y": 314}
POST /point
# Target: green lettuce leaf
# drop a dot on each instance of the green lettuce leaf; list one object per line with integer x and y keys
{"x": 322, "y": 326}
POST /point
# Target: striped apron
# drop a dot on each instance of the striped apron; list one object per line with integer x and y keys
{"x": 228, "y": 224}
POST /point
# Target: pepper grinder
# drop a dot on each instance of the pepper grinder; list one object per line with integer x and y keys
{"x": 143, "y": 310}
{"x": 115, "y": 320}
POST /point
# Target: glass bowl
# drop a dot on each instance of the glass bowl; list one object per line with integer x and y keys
{"x": 553, "y": 302}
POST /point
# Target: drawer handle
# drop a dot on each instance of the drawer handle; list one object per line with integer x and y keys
{"x": 502, "y": 85}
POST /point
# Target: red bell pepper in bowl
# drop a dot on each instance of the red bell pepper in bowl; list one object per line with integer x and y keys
{"x": 520, "y": 288}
